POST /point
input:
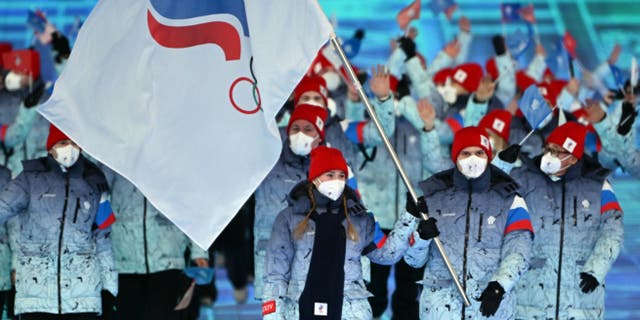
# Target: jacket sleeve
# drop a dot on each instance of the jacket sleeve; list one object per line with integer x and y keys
{"x": 464, "y": 39}
{"x": 354, "y": 111}
{"x": 396, "y": 62}
{"x": 418, "y": 253}
{"x": 474, "y": 111}
{"x": 104, "y": 252}
{"x": 434, "y": 152}
{"x": 13, "y": 231}
{"x": 516, "y": 245}
{"x": 280, "y": 252}
{"x": 18, "y": 131}
{"x": 610, "y": 236}
{"x": 386, "y": 114}
{"x": 197, "y": 252}
{"x": 397, "y": 242}
{"x": 14, "y": 198}
{"x": 506, "y": 88}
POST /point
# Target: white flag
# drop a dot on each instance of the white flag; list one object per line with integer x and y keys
{"x": 164, "y": 93}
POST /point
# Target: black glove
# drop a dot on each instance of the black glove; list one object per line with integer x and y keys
{"x": 60, "y": 44}
{"x": 510, "y": 154}
{"x": 588, "y": 283}
{"x": 403, "y": 87}
{"x": 415, "y": 209}
{"x": 108, "y": 304}
{"x": 627, "y": 119}
{"x": 490, "y": 298}
{"x": 427, "y": 229}
{"x": 408, "y": 46}
{"x": 498, "y": 45}
{"x": 34, "y": 96}
{"x": 359, "y": 34}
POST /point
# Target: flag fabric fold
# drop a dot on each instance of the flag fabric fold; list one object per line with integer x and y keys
{"x": 180, "y": 97}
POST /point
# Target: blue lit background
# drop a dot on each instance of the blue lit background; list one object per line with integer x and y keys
{"x": 596, "y": 25}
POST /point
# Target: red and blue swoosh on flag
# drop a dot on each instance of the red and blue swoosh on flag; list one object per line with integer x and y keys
{"x": 221, "y": 33}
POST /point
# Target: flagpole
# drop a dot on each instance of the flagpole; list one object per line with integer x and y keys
{"x": 396, "y": 160}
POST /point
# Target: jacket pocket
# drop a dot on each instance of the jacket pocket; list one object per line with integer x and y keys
{"x": 75, "y": 214}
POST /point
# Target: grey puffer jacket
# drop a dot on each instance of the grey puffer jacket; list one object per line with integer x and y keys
{"x": 144, "y": 240}
{"x": 288, "y": 259}
{"x": 64, "y": 259}
{"x": 578, "y": 225}
{"x": 486, "y": 232}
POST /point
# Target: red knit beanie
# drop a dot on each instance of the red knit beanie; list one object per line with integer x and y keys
{"x": 314, "y": 114}
{"x": 492, "y": 68}
{"x": 570, "y": 136}
{"x": 498, "y": 121}
{"x": 315, "y": 83}
{"x": 468, "y": 76}
{"x": 440, "y": 78}
{"x": 470, "y": 137}
{"x": 325, "y": 159}
{"x": 55, "y": 136}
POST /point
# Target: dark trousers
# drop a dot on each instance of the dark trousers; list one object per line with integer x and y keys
{"x": 235, "y": 243}
{"x": 404, "y": 301}
{"x": 51, "y": 316}
{"x": 6, "y": 301}
{"x": 151, "y": 296}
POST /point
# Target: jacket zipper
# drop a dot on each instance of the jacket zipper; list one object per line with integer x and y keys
{"x": 144, "y": 234}
{"x": 466, "y": 245}
{"x": 64, "y": 214}
{"x": 480, "y": 227}
{"x": 75, "y": 214}
{"x": 575, "y": 211}
{"x": 562, "y": 216}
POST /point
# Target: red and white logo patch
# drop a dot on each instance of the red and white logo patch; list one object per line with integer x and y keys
{"x": 498, "y": 125}
{"x": 268, "y": 307}
{"x": 319, "y": 123}
{"x": 569, "y": 145}
{"x": 460, "y": 76}
{"x": 484, "y": 141}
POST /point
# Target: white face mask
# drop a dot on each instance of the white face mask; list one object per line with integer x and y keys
{"x": 12, "y": 81}
{"x": 472, "y": 167}
{"x": 300, "y": 143}
{"x": 332, "y": 189}
{"x": 67, "y": 155}
{"x": 448, "y": 92}
{"x": 551, "y": 164}
{"x": 60, "y": 66}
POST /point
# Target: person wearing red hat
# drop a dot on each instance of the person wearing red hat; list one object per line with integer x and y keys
{"x": 483, "y": 224}
{"x": 314, "y": 251}
{"x": 579, "y": 230}
{"x": 305, "y": 132}
{"x": 64, "y": 217}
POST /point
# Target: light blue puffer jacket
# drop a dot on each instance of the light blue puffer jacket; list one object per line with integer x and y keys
{"x": 64, "y": 260}
{"x": 144, "y": 240}
{"x": 288, "y": 260}
{"x": 578, "y": 225}
{"x": 486, "y": 232}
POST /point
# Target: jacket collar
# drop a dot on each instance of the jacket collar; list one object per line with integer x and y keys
{"x": 74, "y": 172}
{"x": 479, "y": 184}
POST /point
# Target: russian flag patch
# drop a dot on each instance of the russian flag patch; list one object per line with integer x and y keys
{"x": 608, "y": 200}
{"x": 518, "y": 218}
{"x": 105, "y": 216}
